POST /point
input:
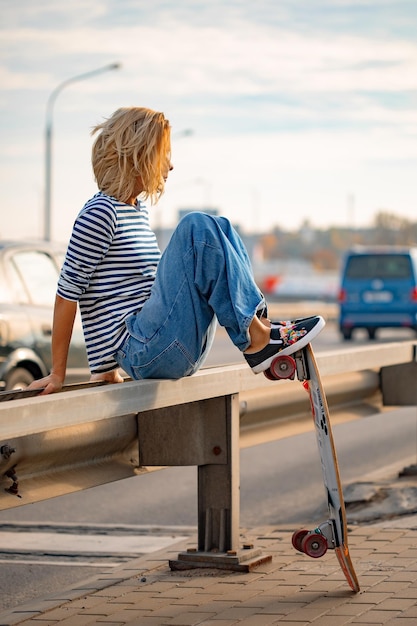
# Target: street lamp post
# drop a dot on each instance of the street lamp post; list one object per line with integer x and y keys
{"x": 48, "y": 139}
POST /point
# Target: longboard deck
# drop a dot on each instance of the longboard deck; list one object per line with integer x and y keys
{"x": 333, "y": 532}
{"x": 330, "y": 466}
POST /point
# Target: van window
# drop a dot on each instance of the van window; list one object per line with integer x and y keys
{"x": 383, "y": 266}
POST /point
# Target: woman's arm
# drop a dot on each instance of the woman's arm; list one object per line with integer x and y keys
{"x": 63, "y": 323}
{"x": 93, "y": 231}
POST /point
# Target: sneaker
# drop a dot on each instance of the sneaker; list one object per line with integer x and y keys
{"x": 286, "y": 338}
{"x": 296, "y": 320}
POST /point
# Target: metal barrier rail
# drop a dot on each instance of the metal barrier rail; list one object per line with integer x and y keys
{"x": 61, "y": 443}
{"x": 102, "y": 418}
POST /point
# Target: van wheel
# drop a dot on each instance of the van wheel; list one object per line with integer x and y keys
{"x": 347, "y": 333}
{"x": 371, "y": 333}
{"x": 19, "y": 378}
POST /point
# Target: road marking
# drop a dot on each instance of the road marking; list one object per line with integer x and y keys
{"x": 81, "y": 544}
{"x": 56, "y": 563}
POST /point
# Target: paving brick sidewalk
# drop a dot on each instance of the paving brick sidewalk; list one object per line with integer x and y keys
{"x": 292, "y": 590}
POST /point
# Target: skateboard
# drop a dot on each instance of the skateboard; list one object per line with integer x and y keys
{"x": 331, "y": 534}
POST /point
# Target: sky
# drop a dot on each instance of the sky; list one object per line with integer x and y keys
{"x": 282, "y": 111}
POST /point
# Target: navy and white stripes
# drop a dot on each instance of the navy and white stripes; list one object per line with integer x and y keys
{"x": 109, "y": 268}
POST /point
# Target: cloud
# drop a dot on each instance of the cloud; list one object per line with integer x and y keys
{"x": 180, "y": 61}
{"x": 288, "y": 91}
{"x": 47, "y": 15}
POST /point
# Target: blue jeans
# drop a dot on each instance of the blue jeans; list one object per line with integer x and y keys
{"x": 204, "y": 274}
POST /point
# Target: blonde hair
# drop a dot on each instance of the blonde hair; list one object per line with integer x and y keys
{"x": 134, "y": 142}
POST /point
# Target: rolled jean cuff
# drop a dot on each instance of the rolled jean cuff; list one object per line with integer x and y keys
{"x": 260, "y": 311}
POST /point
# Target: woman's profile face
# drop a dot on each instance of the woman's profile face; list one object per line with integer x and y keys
{"x": 168, "y": 167}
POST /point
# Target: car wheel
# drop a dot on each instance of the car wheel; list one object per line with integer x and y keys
{"x": 347, "y": 334}
{"x": 19, "y": 378}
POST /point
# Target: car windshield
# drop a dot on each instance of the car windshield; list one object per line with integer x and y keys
{"x": 35, "y": 277}
{"x": 384, "y": 266}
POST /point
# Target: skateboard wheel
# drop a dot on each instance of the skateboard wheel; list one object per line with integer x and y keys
{"x": 283, "y": 367}
{"x": 314, "y": 545}
{"x": 297, "y": 539}
{"x": 268, "y": 374}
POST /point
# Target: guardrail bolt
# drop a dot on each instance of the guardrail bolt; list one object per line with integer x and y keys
{"x": 6, "y": 451}
{"x": 14, "y": 488}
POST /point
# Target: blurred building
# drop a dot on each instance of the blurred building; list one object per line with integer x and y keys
{"x": 209, "y": 210}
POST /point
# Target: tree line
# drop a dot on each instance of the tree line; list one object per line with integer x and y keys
{"x": 324, "y": 248}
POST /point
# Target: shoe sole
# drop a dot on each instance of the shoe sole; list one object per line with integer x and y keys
{"x": 295, "y": 347}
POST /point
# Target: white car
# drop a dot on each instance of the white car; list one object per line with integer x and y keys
{"x": 28, "y": 280}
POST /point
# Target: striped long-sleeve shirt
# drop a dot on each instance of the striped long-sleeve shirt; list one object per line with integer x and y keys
{"x": 109, "y": 268}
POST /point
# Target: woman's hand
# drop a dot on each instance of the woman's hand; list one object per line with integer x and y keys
{"x": 53, "y": 383}
{"x": 109, "y": 377}
{"x": 48, "y": 384}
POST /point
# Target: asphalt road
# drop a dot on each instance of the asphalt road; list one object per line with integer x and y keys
{"x": 280, "y": 484}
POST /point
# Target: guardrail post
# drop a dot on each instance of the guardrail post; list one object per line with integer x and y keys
{"x": 399, "y": 384}
{"x": 203, "y": 433}
{"x": 218, "y": 490}
{"x": 399, "y": 388}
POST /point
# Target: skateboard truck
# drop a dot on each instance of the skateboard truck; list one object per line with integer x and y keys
{"x": 301, "y": 365}
{"x": 315, "y": 543}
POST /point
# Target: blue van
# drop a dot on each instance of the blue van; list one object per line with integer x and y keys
{"x": 378, "y": 289}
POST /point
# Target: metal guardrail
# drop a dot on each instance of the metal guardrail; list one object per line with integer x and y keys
{"x": 64, "y": 442}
